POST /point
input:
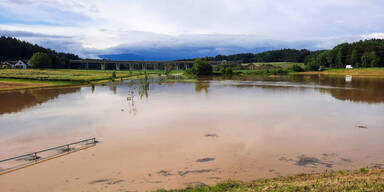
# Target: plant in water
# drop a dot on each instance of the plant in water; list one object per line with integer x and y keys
{"x": 114, "y": 75}
{"x": 363, "y": 170}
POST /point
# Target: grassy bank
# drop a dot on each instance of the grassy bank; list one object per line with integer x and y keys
{"x": 378, "y": 72}
{"x": 67, "y": 75}
{"x": 283, "y": 65}
{"x": 12, "y": 84}
{"x": 363, "y": 180}
{"x": 11, "y": 79}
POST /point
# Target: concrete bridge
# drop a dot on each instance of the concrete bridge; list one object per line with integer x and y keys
{"x": 139, "y": 65}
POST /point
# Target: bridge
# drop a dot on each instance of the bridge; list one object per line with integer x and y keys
{"x": 140, "y": 65}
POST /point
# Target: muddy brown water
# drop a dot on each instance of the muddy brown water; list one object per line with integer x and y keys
{"x": 179, "y": 134}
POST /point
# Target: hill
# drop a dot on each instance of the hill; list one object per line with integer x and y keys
{"x": 14, "y": 49}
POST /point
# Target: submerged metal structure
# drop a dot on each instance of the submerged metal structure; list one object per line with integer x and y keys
{"x": 26, "y": 160}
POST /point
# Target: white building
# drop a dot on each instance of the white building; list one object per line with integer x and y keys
{"x": 20, "y": 65}
{"x": 349, "y": 67}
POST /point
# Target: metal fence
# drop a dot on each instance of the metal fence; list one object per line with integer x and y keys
{"x": 14, "y": 163}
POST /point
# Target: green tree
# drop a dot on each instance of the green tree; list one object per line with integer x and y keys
{"x": 202, "y": 67}
{"x": 355, "y": 58}
{"x": 40, "y": 60}
{"x": 297, "y": 68}
{"x": 370, "y": 59}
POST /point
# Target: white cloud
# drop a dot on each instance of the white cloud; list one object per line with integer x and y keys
{"x": 373, "y": 36}
{"x": 100, "y": 24}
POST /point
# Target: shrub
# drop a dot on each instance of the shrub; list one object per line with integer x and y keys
{"x": 40, "y": 60}
{"x": 226, "y": 71}
{"x": 363, "y": 170}
{"x": 297, "y": 68}
{"x": 201, "y": 67}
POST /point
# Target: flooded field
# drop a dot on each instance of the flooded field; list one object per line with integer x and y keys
{"x": 177, "y": 134}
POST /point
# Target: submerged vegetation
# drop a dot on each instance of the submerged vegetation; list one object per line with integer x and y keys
{"x": 363, "y": 180}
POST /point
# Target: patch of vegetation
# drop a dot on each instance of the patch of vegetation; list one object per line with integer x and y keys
{"x": 374, "y": 72}
{"x": 369, "y": 180}
{"x": 297, "y": 68}
{"x": 263, "y": 72}
{"x": 40, "y": 60}
{"x": 201, "y": 67}
{"x": 83, "y": 76}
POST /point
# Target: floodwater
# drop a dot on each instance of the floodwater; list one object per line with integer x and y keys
{"x": 177, "y": 134}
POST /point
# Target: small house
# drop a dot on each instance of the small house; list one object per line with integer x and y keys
{"x": 20, "y": 65}
{"x": 5, "y": 65}
{"x": 349, "y": 67}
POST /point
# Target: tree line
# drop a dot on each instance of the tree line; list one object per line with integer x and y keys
{"x": 282, "y": 55}
{"x": 367, "y": 53}
{"x": 14, "y": 49}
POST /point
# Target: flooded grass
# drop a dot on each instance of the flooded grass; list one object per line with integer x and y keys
{"x": 376, "y": 72}
{"x": 366, "y": 180}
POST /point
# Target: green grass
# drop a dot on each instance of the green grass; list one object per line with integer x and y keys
{"x": 367, "y": 180}
{"x": 374, "y": 71}
{"x": 269, "y": 68}
{"x": 36, "y": 81}
{"x": 11, "y": 79}
{"x": 283, "y": 65}
{"x": 67, "y": 75}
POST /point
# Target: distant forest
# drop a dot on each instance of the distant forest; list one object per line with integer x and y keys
{"x": 14, "y": 49}
{"x": 283, "y": 55}
{"x": 367, "y": 53}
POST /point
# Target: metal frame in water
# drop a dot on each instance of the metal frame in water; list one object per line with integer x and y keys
{"x": 36, "y": 157}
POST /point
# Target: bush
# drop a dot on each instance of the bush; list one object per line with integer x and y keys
{"x": 201, "y": 67}
{"x": 313, "y": 67}
{"x": 40, "y": 60}
{"x": 226, "y": 71}
{"x": 297, "y": 68}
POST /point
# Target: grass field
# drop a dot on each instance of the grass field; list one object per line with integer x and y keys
{"x": 363, "y": 180}
{"x": 283, "y": 65}
{"x": 67, "y": 75}
{"x": 32, "y": 78}
{"x": 378, "y": 72}
{"x": 269, "y": 68}
{"x": 12, "y": 84}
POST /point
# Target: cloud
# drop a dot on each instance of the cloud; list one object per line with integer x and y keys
{"x": 115, "y": 26}
{"x": 373, "y": 36}
{"x": 26, "y": 34}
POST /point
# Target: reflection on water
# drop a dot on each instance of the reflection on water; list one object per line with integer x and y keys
{"x": 158, "y": 134}
{"x": 16, "y": 101}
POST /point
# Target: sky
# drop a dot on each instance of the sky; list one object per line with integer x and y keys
{"x": 165, "y": 29}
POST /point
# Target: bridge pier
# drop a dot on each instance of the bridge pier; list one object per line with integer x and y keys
{"x": 143, "y": 66}
{"x": 102, "y": 66}
{"x": 117, "y": 66}
{"x": 86, "y": 66}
